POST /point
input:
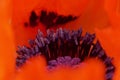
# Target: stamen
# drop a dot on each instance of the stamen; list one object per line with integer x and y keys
{"x": 65, "y": 48}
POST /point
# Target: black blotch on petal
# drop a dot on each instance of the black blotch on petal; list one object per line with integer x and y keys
{"x": 49, "y": 19}
{"x": 64, "y": 19}
{"x": 33, "y": 19}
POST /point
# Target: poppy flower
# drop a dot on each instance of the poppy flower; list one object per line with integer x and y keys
{"x": 89, "y": 16}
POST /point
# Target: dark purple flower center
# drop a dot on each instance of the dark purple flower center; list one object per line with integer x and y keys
{"x": 64, "y": 47}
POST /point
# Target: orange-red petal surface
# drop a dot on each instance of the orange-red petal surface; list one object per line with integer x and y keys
{"x": 7, "y": 48}
{"x": 35, "y": 69}
{"x": 112, "y": 8}
{"x": 110, "y": 41}
{"x": 109, "y": 37}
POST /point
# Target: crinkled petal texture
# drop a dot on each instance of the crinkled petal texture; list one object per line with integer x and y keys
{"x": 91, "y": 14}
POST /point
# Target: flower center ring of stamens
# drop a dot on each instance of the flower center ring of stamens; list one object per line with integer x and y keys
{"x": 65, "y": 47}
